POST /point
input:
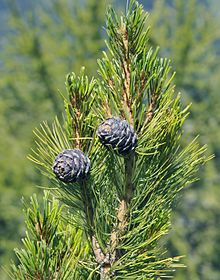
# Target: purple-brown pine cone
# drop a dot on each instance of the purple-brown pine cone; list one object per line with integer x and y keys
{"x": 117, "y": 134}
{"x": 71, "y": 166}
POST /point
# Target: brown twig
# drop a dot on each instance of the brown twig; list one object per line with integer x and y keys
{"x": 102, "y": 259}
{"x": 77, "y": 139}
{"x": 75, "y": 123}
{"x": 107, "y": 109}
{"x": 143, "y": 79}
{"x": 151, "y": 109}
{"x": 126, "y": 66}
{"x": 99, "y": 255}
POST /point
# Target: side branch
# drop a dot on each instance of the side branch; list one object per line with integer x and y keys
{"x": 77, "y": 131}
{"x": 151, "y": 109}
{"x": 102, "y": 259}
{"x": 75, "y": 123}
{"x": 126, "y": 66}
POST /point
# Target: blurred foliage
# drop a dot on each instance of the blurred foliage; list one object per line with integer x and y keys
{"x": 188, "y": 32}
{"x": 44, "y": 40}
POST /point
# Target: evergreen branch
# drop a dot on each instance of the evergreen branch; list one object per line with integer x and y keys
{"x": 75, "y": 104}
{"x": 124, "y": 206}
{"x": 127, "y": 72}
{"x": 80, "y": 117}
{"x": 97, "y": 251}
{"x": 53, "y": 250}
{"x": 151, "y": 109}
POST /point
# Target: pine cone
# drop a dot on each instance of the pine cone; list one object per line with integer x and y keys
{"x": 71, "y": 166}
{"x": 118, "y": 134}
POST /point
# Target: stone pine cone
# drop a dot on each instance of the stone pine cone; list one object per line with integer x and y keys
{"x": 71, "y": 166}
{"x": 118, "y": 134}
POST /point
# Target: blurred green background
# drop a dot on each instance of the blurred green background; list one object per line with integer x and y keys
{"x": 41, "y": 41}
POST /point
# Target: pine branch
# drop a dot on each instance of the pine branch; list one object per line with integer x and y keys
{"x": 124, "y": 204}
{"x": 127, "y": 72}
{"x": 81, "y": 96}
{"x": 52, "y": 247}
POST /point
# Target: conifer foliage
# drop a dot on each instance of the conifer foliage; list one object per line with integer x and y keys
{"x": 115, "y": 164}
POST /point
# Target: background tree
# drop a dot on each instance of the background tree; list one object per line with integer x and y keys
{"x": 42, "y": 41}
{"x": 188, "y": 31}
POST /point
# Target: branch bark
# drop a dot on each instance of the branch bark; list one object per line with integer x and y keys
{"x": 126, "y": 66}
{"x": 123, "y": 209}
{"x": 151, "y": 109}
